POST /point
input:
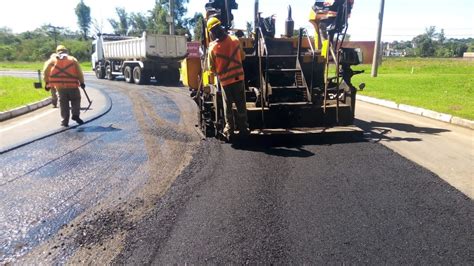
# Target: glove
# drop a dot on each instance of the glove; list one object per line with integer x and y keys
{"x": 83, "y": 86}
{"x": 46, "y": 87}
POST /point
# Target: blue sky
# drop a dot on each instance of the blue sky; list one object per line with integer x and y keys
{"x": 403, "y": 19}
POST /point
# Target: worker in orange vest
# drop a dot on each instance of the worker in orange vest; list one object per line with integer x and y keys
{"x": 54, "y": 92}
{"x": 225, "y": 60}
{"x": 63, "y": 73}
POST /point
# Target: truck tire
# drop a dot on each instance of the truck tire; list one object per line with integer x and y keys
{"x": 108, "y": 73}
{"x": 127, "y": 73}
{"x": 100, "y": 72}
{"x": 139, "y": 76}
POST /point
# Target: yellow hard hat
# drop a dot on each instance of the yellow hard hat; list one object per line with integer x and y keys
{"x": 213, "y": 22}
{"x": 61, "y": 48}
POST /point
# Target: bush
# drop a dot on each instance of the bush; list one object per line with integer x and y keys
{"x": 33, "y": 46}
{"x": 6, "y": 53}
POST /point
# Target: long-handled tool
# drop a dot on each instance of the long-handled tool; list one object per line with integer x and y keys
{"x": 38, "y": 85}
{"x": 88, "y": 99}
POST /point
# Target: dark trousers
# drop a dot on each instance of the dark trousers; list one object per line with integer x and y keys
{"x": 66, "y": 96}
{"x": 54, "y": 97}
{"x": 235, "y": 93}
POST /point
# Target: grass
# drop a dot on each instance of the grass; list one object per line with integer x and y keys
{"x": 442, "y": 85}
{"x": 16, "y": 92}
{"x": 86, "y": 66}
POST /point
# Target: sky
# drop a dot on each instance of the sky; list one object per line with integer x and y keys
{"x": 403, "y": 19}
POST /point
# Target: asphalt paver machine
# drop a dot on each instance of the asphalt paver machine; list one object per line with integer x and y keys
{"x": 299, "y": 82}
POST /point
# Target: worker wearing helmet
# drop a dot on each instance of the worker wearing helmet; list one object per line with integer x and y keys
{"x": 54, "y": 92}
{"x": 225, "y": 60}
{"x": 63, "y": 73}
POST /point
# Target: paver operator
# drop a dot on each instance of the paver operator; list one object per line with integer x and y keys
{"x": 63, "y": 73}
{"x": 225, "y": 60}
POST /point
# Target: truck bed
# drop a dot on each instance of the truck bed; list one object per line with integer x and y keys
{"x": 146, "y": 47}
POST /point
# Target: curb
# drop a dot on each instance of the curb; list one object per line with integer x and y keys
{"x": 419, "y": 111}
{"x": 24, "y": 109}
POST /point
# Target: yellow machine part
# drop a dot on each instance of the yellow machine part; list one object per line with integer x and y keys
{"x": 314, "y": 18}
{"x": 324, "y": 50}
{"x": 246, "y": 42}
{"x": 190, "y": 70}
{"x": 208, "y": 78}
{"x": 313, "y": 21}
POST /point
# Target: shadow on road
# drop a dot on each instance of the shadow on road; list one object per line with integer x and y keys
{"x": 380, "y": 131}
{"x": 97, "y": 129}
{"x": 292, "y": 145}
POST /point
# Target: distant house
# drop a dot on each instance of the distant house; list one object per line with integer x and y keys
{"x": 366, "y": 47}
{"x": 469, "y": 55}
{"x": 389, "y": 51}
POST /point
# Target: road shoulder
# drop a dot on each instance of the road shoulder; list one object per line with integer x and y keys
{"x": 45, "y": 121}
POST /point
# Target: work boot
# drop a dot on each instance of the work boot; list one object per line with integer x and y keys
{"x": 228, "y": 133}
{"x": 78, "y": 120}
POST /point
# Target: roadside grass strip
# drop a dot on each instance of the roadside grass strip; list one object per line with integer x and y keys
{"x": 35, "y": 66}
{"x": 16, "y": 92}
{"x": 441, "y": 85}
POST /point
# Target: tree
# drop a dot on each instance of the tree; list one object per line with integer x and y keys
{"x": 39, "y": 44}
{"x": 157, "y": 19}
{"x": 424, "y": 45}
{"x": 83, "y": 14}
{"x": 179, "y": 8}
{"x": 196, "y": 23}
{"x": 441, "y": 36}
{"x": 470, "y": 47}
{"x": 7, "y": 37}
{"x": 457, "y": 47}
{"x": 430, "y": 32}
{"x": 122, "y": 26}
{"x": 179, "y": 12}
{"x": 138, "y": 23}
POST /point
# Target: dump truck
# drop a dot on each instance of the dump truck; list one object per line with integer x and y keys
{"x": 293, "y": 84}
{"x": 138, "y": 59}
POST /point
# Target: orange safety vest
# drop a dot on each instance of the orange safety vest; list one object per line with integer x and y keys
{"x": 228, "y": 60}
{"x": 64, "y": 74}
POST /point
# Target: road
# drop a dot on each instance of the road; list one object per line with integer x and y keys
{"x": 139, "y": 186}
{"x": 122, "y": 161}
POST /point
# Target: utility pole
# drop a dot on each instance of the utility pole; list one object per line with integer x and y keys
{"x": 377, "y": 50}
{"x": 171, "y": 21}
{"x": 55, "y": 34}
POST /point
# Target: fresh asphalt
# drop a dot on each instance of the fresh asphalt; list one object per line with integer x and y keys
{"x": 323, "y": 202}
{"x": 74, "y": 197}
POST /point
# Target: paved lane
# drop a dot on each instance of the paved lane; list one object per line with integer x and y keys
{"x": 445, "y": 149}
{"x": 299, "y": 202}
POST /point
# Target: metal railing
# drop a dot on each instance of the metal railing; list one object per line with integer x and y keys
{"x": 263, "y": 93}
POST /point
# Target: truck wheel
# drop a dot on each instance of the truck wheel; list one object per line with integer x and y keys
{"x": 139, "y": 76}
{"x": 127, "y": 73}
{"x": 99, "y": 72}
{"x": 108, "y": 73}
